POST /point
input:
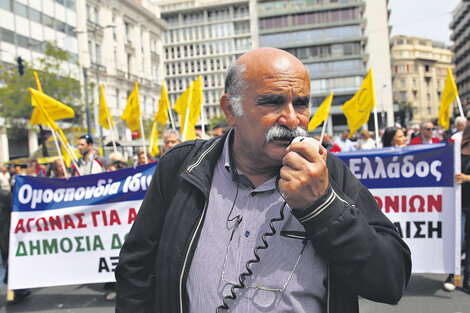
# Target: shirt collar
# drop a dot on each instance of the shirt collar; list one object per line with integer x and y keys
{"x": 235, "y": 173}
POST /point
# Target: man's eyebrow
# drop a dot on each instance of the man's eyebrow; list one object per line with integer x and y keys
{"x": 301, "y": 101}
{"x": 270, "y": 98}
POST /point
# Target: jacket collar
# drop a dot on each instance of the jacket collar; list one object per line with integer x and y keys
{"x": 201, "y": 167}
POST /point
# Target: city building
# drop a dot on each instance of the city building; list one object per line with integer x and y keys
{"x": 24, "y": 28}
{"x": 338, "y": 41}
{"x": 419, "y": 68}
{"x": 121, "y": 43}
{"x": 203, "y": 38}
{"x": 461, "y": 48}
{"x": 112, "y": 42}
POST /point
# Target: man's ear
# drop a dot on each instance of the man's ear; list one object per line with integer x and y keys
{"x": 227, "y": 108}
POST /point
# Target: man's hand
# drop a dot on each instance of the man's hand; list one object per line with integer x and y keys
{"x": 304, "y": 175}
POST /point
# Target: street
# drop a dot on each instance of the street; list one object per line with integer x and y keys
{"x": 424, "y": 295}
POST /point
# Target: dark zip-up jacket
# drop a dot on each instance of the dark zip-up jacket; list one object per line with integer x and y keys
{"x": 364, "y": 252}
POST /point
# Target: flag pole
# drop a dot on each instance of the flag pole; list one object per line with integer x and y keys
{"x": 171, "y": 118}
{"x": 186, "y": 120}
{"x": 323, "y": 130}
{"x": 112, "y": 134}
{"x": 460, "y": 106}
{"x": 143, "y": 138}
{"x": 58, "y": 150}
{"x": 69, "y": 150}
{"x": 376, "y": 122}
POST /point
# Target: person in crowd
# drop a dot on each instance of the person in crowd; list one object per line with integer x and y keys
{"x": 329, "y": 144}
{"x": 90, "y": 162}
{"x": 211, "y": 202}
{"x": 460, "y": 123}
{"x": 116, "y": 161}
{"x": 220, "y": 129}
{"x": 18, "y": 171}
{"x": 365, "y": 141}
{"x": 170, "y": 139}
{"x": 5, "y": 179}
{"x": 344, "y": 143}
{"x": 57, "y": 169}
{"x": 425, "y": 136}
{"x": 144, "y": 158}
{"x": 464, "y": 178}
{"x": 413, "y": 132}
{"x": 393, "y": 137}
{"x": 13, "y": 296}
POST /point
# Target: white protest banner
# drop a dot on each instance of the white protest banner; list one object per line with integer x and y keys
{"x": 70, "y": 231}
{"x": 414, "y": 186}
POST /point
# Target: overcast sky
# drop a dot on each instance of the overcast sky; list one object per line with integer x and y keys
{"x": 422, "y": 18}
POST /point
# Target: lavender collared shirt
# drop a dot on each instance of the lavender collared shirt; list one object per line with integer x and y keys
{"x": 301, "y": 290}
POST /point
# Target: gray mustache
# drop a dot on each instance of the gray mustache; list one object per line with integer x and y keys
{"x": 284, "y": 133}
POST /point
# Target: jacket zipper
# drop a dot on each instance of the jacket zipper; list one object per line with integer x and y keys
{"x": 187, "y": 254}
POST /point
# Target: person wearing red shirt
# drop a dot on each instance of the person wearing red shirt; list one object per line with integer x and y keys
{"x": 426, "y": 135}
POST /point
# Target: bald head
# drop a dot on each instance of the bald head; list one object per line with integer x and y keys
{"x": 262, "y": 64}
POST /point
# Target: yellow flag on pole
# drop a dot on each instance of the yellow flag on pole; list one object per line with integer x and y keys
{"x": 357, "y": 109}
{"x": 153, "y": 141}
{"x": 47, "y": 109}
{"x": 163, "y": 105}
{"x": 196, "y": 101}
{"x": 131, "y": 112}
{"x": 449, "y": 94}
{"x": 66, "y": 156}
{"x": 104, "y": 111}
{"x": 181, "y": 107}
{"x": 321, "y": 114}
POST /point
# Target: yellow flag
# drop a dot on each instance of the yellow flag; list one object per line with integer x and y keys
{"x": 66, "y": 156}
{"x": 321, "y": 114}
{"x": 449, "y": 94}
{"x": 163, "y": 105}
{"x": 181, "y": 107}
{"x": 131, "y": 113}
{"x": 153, "y": 142}
{"x": 104, "y": 111}
{"x": 196, "y": 101}
{"x": 55, "y": 109}
{"x": 357, "y": 110}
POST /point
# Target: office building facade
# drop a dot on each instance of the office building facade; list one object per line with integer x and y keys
{"x": 461, "y": 48}
{"x": 332, "y": 38}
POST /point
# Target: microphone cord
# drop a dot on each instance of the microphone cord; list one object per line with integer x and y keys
{"x": 242, "y": 277}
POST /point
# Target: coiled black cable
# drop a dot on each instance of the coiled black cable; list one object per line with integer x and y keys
{"x": 242, "y": 277}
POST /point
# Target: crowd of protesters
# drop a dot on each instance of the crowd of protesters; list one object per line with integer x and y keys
{"x": 92, "y": 162}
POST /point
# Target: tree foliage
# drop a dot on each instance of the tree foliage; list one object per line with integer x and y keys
{"x": 405, "y": 113}
{"x": 56, "y": 81}
{"x": 215, "y": 120}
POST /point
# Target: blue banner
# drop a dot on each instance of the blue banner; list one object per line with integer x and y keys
{"x": 39, "y": 193}
{"x": 412, "y": 166}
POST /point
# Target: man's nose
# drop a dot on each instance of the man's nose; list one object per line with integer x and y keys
{"x": 289, "y": 117}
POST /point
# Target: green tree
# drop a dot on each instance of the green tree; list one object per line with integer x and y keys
{"x": 213, "y": 121}
{"x": 56, "y": 81}
{"x": 405, "y": 113}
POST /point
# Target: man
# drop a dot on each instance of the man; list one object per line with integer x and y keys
{"x": 210, "y": 203}
{"x": 5, "y": 179}
{"x": 170, "y": 139}
{"x": 329, "y": 144}
{"x": 460, "y": 123}
{"x": 90, "y": 162}
{"x": 425, "y": 136}
{"x": 220, "y": 129}
{"x": 344, "y": 143}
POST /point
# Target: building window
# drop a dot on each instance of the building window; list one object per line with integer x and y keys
{"x": 402, "y": 83}
{"x": 426, "y": 68}
{"x": 403, "y": 96}
{"x": 98, "y": 53}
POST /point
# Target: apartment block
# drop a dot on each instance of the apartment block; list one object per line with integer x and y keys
{"x": 419, "y": 68}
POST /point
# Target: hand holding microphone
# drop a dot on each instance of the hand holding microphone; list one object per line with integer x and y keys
{"x": 304, "y": 175}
